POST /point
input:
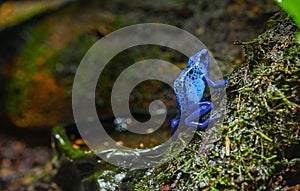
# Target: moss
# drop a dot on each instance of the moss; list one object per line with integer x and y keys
{"x": 261, "y": 125}
{"x": 63, "y": 145}
{"x": 22, "y": 76}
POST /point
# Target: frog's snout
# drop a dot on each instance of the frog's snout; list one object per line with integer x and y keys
{"x": 204, "y": 51}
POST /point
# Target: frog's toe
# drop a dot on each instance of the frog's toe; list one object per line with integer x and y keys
{"x": 217, "y": 114}
{"x": 226, "y": 81}
{"x": 174, "y": 123}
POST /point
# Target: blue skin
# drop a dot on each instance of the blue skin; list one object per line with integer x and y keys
{"x": 189, "y": 88}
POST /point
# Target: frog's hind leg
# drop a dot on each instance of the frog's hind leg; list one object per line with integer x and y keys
{"x": 202, "y": 109}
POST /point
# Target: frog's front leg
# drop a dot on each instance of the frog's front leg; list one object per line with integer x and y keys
{"x": 213, "y": 84}
{"x": 202, "y": 108}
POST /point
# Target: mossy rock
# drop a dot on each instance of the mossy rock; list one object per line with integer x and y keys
{"x": 79, "y": 169}
{"x": 261, "y": 126}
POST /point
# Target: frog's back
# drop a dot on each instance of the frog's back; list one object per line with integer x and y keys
{"x": 189, "y": 87}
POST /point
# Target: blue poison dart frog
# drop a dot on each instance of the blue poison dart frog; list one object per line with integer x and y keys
{"x": 189, "y": 88}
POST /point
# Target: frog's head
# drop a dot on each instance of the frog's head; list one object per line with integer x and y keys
{"x": 200, "y": 60}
